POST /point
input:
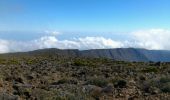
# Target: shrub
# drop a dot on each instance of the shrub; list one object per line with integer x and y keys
{"x": 66, "y": 97}
{"x": 101, "y": 82}
{"x": 2, "y": 61}
{"x": 65, "y": 80}
{"x": 165, "y": 80}
{"x": 150, "y": 69}
{"x": 13, "y": 62}
{"x": 80, "y": 63}
{"x": 166, "y": 88}
{"x": 120, "y": 84}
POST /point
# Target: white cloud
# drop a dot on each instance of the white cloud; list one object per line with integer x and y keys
{"x": 98, "y": 43}
{"x": 4, "y": 46}
{"x": 77, "y": 43}
{"x": 149, "y": 39}
{"x": 53, "y": 42}
{"x": 152, "y": 39}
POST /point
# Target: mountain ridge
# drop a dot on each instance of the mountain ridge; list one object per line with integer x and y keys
{"x": 120, "y": 54}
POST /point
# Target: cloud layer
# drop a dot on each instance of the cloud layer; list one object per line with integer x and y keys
{"x": 4, "y": 46}
{"x": 149, "y": 39}
{"x": 152, "y": 39}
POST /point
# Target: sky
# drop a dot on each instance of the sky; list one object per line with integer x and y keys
{"x": 84, "y": 24}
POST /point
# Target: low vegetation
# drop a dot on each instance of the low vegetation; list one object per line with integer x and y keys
{"x": 45, "y": 77}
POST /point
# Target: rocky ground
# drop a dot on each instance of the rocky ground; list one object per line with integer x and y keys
{"x": 60, "y": 78}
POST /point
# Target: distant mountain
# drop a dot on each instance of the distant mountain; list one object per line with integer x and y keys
{"x": 122, "y": 54}
{"x": 130, "y": 54}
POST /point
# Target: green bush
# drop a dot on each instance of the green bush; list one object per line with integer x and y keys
{"x": 80, "y": 63}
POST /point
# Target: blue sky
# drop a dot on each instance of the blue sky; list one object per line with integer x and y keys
{"x": 27, "y": 20}
{"x": 83, "y": 15}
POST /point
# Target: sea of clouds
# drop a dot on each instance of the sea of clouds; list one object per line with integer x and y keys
{"x": 156, "y": 39}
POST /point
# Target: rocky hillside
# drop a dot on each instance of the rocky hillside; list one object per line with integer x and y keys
{"x": 40, "y": 76}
